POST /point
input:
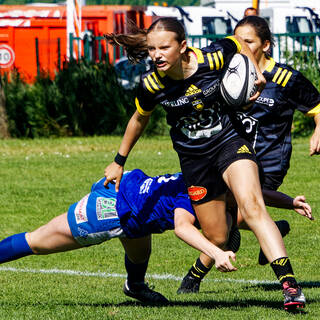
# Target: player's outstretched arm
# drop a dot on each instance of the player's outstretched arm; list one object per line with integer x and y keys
{"x": 135, "y": 127}
{"x": 281, "y": 200}
{"x": 185, "y": 230}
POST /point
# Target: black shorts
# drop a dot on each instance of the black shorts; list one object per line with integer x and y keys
{"x": 203, "y": 174}
{"x": 271, "y": 181}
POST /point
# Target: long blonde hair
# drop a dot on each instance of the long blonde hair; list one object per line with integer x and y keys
{"x": 135, "y": 42}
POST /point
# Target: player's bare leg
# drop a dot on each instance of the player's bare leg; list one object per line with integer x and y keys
{"x": 55, "y": 236}
{"x": 242, "y": 179}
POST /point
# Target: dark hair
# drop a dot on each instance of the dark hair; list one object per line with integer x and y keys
{"x": 135, "y": 43}
{"x": 260, "y": 26}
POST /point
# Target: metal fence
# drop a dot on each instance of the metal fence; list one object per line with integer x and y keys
{"x": 287, "y": 46}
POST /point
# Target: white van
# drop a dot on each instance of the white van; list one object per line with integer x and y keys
{"x": 293, "y": 21}
{"x": 197, "y": 21}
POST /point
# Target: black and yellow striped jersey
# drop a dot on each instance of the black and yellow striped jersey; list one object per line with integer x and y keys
{"x": 192, "y": 105}
{"x": 286, "y": 90}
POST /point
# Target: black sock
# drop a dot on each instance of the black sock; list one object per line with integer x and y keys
{"x": 198, "y": 270}
{"x": 135, "y": 271}
{"x": 283, "y": 270}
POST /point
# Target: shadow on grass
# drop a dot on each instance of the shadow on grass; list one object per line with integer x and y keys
{"x": 276, "y": 286}
{"x": 212, "y": 304}
{"x": 205, "y": 304}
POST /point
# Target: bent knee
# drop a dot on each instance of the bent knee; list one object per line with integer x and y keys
{"x": 253, "y": 208}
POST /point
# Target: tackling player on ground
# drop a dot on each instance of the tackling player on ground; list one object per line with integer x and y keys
{"x": 144, "y": 205}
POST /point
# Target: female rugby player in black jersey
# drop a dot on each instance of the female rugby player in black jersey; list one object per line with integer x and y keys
{"x": 213, "y": 156}
{"x": 286, "y": 90}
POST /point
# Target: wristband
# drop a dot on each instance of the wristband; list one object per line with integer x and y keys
{"x": 120, "y": 160}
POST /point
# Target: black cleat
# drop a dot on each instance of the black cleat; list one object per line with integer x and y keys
{"x": 189, "y": 285}
{"x": 234, "y": 239}
{"x": 293, "y": 297}
{"x": 284, "y": 228}
{"x": 144, "y": 294}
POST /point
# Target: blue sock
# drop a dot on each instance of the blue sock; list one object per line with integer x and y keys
{"x": 14, "y": 247}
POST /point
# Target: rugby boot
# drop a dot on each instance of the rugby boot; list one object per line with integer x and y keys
{"x": 293, "y": 296}
{"x": 189, "y": 285}
{"x": 143, "y": 293}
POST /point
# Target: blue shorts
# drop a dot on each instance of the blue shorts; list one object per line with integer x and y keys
{"x": 94, "y": 218}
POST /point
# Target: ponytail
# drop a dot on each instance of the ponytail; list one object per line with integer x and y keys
{"x": 135, "y": 43}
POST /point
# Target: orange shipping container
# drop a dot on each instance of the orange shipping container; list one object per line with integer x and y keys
{"x": 34, "y": 38}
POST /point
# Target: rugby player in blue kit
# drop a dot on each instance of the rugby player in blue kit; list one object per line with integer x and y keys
{"x": 143, "y": 205}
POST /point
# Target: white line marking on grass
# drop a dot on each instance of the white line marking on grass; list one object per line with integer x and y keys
{"x": 119, "y": 275}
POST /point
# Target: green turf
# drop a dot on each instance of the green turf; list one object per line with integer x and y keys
{"x": 41, "y": 178}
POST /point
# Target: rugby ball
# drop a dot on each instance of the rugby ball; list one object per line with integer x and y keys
{"x": 238, "y": 81}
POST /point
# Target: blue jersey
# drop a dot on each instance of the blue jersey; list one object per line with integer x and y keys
{"x": 193, "y": 106}
{"x": 268, "y": 122}
{"x": 145, "y": 205}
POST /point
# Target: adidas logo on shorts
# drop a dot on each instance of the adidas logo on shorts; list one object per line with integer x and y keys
{"x": 244, "y": 149}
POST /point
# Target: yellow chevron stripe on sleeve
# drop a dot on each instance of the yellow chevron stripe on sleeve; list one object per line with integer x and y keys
{"x": 287, "y": 78}
{"x": 210, "y": 61}
{"x": 239, "y": 47}
{"x": 146, "y": 83}
{"x": 276, "y": 75}
{"x": 157, "y": 80}
{"x": 270, "y": 65}
{"x": 283, "y": 73}
{"x": 152, "y": 82}
{"x": 216, "y": 60}
{"x": 198, "y": 52}
{"x": 313, "y": 112}
{"x": 221, "y": 59}
{"x": 140, "y": 110}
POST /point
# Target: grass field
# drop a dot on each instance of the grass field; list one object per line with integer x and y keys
{"x": 41, "y": 178}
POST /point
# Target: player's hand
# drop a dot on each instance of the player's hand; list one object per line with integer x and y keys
{"x": 113, "y": 172}
{"x": 222, "y": 261}
{"x": 302, "y": 207}
{"x": 315, "y": 144}
{"x": 260, "y": 83}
